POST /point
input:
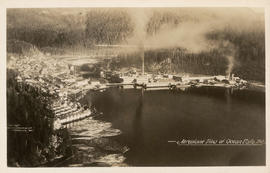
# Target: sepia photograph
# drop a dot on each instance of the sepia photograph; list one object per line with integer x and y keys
{"x": 135, "y": 87}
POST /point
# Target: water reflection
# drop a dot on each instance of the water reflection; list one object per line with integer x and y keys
{"x": 149, "y": 118}
{"x": 93, "y": 145}
{"x": 228, "y": 93}
{"x": 137, "y": 122}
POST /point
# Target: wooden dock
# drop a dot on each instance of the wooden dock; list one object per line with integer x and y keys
{"x": 149, "y": 86}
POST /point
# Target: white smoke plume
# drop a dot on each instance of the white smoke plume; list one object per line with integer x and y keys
{"x": 191, "y": 33}
{"x": 229, "y": 50}
{"x": 230, "y": 65}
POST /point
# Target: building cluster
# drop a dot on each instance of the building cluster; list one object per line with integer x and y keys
{"x": 57, "y": 79}
{"x": 133, "y": 75}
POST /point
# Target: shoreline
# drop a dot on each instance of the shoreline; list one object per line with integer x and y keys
{"x": 57, "y": 79}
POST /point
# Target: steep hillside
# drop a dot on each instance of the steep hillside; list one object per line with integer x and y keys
{"x": 234, "y": 37}
{"x": 21, "y": 47}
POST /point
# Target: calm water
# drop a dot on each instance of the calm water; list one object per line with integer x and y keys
{"x": 149, "y": 120}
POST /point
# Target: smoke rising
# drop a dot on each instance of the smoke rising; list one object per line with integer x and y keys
{"x": 140, "y": 17}
{"x": 229, "y": 50}
{"x": 191, "y": 32}
{"x": 188, "y": 35}
{"x": 230, "y": 64}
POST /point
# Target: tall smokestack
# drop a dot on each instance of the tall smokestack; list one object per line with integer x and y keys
{"x": 229, "y": 76}
{"x": 141, "y": 49}
{"x": 230, "y": 66}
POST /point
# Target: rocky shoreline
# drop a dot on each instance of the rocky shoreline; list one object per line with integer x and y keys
{"x": 62, "y": 126}
{"x": 67, "y": 121}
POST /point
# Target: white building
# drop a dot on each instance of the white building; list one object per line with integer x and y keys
{"x": 82, "y": 83}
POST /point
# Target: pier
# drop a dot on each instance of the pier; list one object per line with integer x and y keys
{"x": 161, "y": 85}
{"x": 68, "y": 113}
{"x": 149, "y": 86}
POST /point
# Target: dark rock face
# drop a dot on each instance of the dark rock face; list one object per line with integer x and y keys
{"x": 27, "y": 106}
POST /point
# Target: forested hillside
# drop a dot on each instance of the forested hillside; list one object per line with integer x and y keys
{"x": 195, "y": 39}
